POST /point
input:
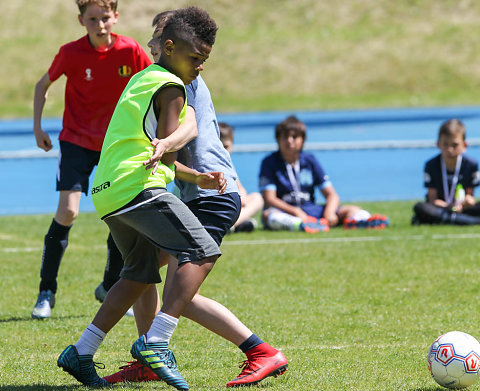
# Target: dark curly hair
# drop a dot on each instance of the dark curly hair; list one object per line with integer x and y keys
{"x": 190, "y": 23}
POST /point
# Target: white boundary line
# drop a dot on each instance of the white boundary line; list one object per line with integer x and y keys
{"x": 262, "y": 242}
{"x": 352, "y": 239}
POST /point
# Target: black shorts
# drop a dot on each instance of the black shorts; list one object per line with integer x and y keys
{"x": 157, "y": 220}
{"x": 217, "y": 213}
{"x": 75, "y": 164}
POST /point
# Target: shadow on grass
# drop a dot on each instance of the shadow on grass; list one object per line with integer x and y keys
{"x": 29, "y": 319}
{"x": 41, "y": 387}
{"x": 429, "y": 389}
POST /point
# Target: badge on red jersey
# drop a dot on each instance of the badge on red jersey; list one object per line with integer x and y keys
{"x": 124, "y": 71}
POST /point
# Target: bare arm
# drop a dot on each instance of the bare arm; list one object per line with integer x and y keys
{"x": 169, "y": 103}
{"x": 432, "y": 197}
{"x": 271, "y": 200}
{"x": 39, "y": 99}
{"x": 208, "y": 180}
{"x": 332, "y": 202}
{"x": 186, "y": 132}
{"x": 469, "y": 200}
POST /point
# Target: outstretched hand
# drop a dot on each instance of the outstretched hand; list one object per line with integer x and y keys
{"x": 212, "y": 180}
{"x": 160, "y": 149}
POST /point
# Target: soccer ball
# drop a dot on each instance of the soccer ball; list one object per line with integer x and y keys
{"x": 454, "y": 360}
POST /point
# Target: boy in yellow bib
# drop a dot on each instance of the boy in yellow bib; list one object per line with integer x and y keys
{"x": 144, "y": 219}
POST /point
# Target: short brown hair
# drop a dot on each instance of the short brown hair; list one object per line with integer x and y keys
{"x": 226, "y": 131}
{"x": 291, "y": 123}
{"x": 110, "y": 5}
{"x": 452, "y": 127}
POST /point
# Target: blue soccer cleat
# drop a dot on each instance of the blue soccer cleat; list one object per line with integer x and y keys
{"x": 160, "y": 359}
{"x": 313, "y": 225}
{"x": 81, "y": 368}
{"x": 378, "y": 221}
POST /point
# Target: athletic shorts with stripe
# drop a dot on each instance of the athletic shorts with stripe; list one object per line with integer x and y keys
{"x": 157, "y": 220}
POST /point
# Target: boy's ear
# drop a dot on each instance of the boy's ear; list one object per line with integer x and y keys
{"x": 80, "y": 19}
{"x": 168, "y": 47}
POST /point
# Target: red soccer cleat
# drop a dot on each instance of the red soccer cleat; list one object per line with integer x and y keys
{"x": 258, "y": 368}
{"x": 132, "y": 372}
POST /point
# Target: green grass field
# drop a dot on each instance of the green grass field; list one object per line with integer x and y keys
{"x": 352, "y": 310}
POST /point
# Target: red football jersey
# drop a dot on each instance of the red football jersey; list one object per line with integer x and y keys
{"x": 95, "y": 81}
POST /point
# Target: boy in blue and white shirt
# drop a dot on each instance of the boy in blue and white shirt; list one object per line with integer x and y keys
{"x": 288, "y": 178}
{"x": 450, "y": 179}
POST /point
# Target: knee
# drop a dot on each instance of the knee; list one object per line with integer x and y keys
{"x": 257, "y": 199}
{"x": 66, "y": 216}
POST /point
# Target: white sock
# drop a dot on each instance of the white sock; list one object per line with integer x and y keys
{"x": 90, "y": 340}
{"x": 361, "y": 215}
{"x": 162, "y": 328}
{"x": 283, "y": 221}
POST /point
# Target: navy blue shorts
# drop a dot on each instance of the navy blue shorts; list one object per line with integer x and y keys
{"x": 313, "y": 209}
{"x": 217, "y": 213}
{"x": 75, "y": 164}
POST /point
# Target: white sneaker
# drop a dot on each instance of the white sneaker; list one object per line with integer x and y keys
{"x": 44, "y": 305}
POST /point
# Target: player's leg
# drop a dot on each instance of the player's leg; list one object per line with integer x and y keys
{"x": 428, "y": 213}
{"x": 140, "y": 270}
{"x": 75, "y": 165}
{"x": 55, "y": 244}
{"x": 111, "y": 273}
{"x": 353, "y": 216}
{"x": 172, "y": 227}
{"x": 114, "y": 264}
{"x": 209, "y": 313}
{"x": 217, "y": 214}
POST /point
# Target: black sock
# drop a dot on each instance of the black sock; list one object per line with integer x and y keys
{"x": 250, "y": 343}
{"x": 56, "y": 241}
{"x": 114, "y": 264}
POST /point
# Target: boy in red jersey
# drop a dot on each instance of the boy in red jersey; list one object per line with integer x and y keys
{"x": 98, "y": 67}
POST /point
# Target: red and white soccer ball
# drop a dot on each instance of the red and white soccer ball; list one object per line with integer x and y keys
{"x": 454, "y": 360}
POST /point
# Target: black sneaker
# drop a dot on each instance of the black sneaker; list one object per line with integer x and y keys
{"x": 247, "y": 226}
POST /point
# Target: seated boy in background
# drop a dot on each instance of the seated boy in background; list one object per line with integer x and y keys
{"x": 288, "y": 178}
{"x": 251, "y": 203}
{"x": 450, "y": 178}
